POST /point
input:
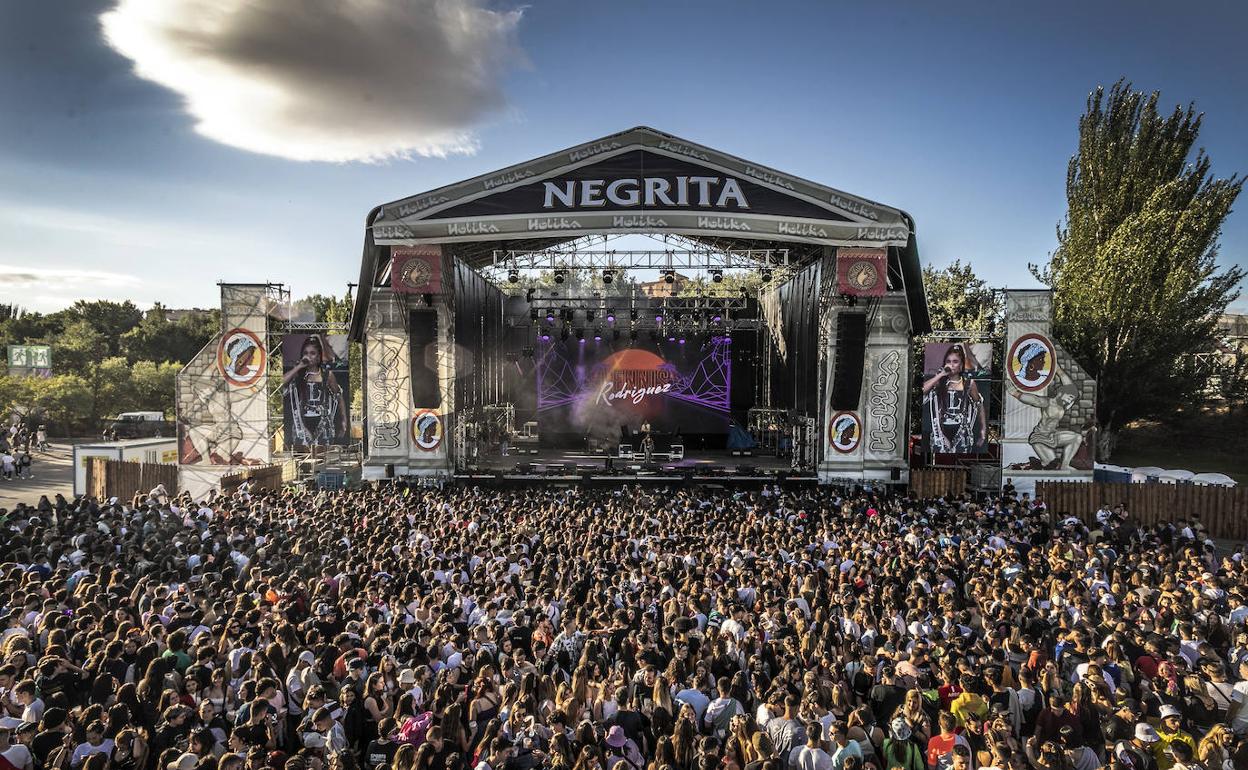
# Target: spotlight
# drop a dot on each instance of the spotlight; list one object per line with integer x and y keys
{"x": 681, "y": 340}
{"x": 669, "y": 276}
{"x": 671, "y": 339}
{"x": 658, "y": 319}
{"x": 580, "y": 335}
{"x": 545, "y": 338}
{"x": 532, "y": 314}
{"x": 560, "y": 275}
{"x": 550, "y": 316}
{"x": 597, "y": 335}
{"x": 607, "y": 276}
{"x": 610, "y": 315}
{"x": 566, "y": 313}
{"x": 717, "y": 276}
{"x": 766, "y": 276}
{"x": 716, "y": 319}
{"x": 513, "y": 277}
{"x": 589, "y": 315}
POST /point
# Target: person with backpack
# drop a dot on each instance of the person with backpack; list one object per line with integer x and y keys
{"x": 719, "y": 712}
{"x": 900, "y": 750}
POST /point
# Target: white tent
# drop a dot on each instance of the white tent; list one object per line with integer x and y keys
{"x": 1175, "y": 476}
{"x": 1213, "y": 480}
{"x": 1141, "y": 474}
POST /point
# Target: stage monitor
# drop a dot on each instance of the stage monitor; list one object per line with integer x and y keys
{"x": 609, "y": 389}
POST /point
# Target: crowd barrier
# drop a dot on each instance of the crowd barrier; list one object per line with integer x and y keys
{"x": 123, "y": 478}
{"x": 937, "y": 482}
{"x": 261, "y": 476}
{"x": 1222, "y": 510}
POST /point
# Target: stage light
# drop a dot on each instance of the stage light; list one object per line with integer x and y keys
{"x": 513, "y": 277}
{"x": 550, "y": 316}
{"x": 545, "y": 338}
{"x": 681, "y": 340}
{"x": 610, "y": 316}
{"x": 589, "y": 315}
{"x": 717, "y": 276}
{"x": 766, "y": 276}
{"x": 597, "y": 335}
{"x": 671, "y": 339}
{"x": 658, "y": 319}
{"x": 532, "y": 314}
{"x": 607, "y": 276}
{"x": 669, "y": 276}
{"x": 716, "y": 319}
{"x": 559, "y": 276}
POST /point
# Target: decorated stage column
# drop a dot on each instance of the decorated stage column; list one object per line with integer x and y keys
{"x": 868, "y": 441}
{"x": 1049, "y": 400}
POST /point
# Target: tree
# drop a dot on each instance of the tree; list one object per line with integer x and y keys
{"x": 959, "y": 300}
{"x": 1135, "y": 276}
{"x": 110, "y": 319}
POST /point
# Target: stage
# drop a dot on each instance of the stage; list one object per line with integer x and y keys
{"x": 579, "y": 465}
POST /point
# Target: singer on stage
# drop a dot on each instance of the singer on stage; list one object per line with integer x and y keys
{"x": 955, "y": 407}
{"x": 315, "y": 403}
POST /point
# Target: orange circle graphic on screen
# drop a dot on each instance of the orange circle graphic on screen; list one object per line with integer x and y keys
{"x": 241, "y": 357}
{"x": 845, "y": 432}
{"x": 427, "y": 430}
{"x": 1032, "y": 362}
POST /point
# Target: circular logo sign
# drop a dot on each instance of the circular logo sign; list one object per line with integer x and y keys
{"x": 241, "y": 357}
{"x": 863, "y": 275}
{"x": 427, "y": 430}
{"x": 845, "y": 432}
{"x": 415, "y": 273}
{"x": 1032, "y": 362}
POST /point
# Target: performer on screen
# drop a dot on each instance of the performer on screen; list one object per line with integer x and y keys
{"x": 314, "y": 399}
{"x": 955, "y": 407}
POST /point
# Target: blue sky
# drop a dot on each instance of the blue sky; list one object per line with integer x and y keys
{"x": 963, "y": 114}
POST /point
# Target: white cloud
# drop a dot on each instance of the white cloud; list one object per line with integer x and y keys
{"x": 26, "y": 278}
{"x": 327, "y": 80}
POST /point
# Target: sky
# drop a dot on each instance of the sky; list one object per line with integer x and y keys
{"x": 151, "y": 148}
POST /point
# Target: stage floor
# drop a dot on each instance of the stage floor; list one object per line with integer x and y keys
{"x": 580, "y": 464}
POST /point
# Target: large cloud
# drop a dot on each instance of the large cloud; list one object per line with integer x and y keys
{"x": 332, "y": 80}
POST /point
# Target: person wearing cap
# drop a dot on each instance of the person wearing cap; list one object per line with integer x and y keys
{"x": 1170, "y": 732}
{"x": 17, "y": 755}
{"x": 621, "y": 751}
{"x": 1137, "y": 753}
{"x": 301, "y": 678}
{"x": 900, "y": 750}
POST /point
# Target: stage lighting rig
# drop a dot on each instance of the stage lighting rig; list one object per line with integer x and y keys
{"x": 669, "y": 276}
{"x": 608, "y": 276}
{"x": 560, "y": 276}
{"x": 766, "y": 276}
{"x": 717, "y": 276}
{"x": 513, "y": 276}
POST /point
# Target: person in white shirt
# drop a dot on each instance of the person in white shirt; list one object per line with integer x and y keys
{"x": 32, "y": 705}
{"x": 18, "y": 755}
{"x": 811, "y": 756}
{"x": 95, "y": 743}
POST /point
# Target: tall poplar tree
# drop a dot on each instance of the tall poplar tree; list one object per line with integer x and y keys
{"x": 1135, "y": 277}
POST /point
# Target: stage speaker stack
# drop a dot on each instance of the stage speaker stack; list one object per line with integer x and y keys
{"x": 422, "y": 335}
{"x": 849, "y": 361}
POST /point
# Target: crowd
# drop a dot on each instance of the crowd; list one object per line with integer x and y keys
{"x": 613, "y": 629}
{"x": 16, "y": 444}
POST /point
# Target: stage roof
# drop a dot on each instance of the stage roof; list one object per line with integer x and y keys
{"x": 640, "y": 181}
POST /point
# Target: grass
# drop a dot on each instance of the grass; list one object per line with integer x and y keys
{"x": 1210, "y": 441}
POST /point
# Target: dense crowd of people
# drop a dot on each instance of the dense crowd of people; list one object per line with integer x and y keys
{"x": 630, "y": 628}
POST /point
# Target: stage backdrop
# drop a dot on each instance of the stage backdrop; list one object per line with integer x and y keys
{"x": 955, "y": 421}
{"x": 607, "y": 389}
{"x": 315, "y": 390}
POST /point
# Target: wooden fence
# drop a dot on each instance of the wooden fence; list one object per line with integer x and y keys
{"x": 937, "y": 482}
{"x": 122, "y": 478}
{"x": 262, "y": 476}
{"x": 1223, "y": 510}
